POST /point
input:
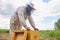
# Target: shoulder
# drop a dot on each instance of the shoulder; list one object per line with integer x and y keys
{"x": 21, "y": 7}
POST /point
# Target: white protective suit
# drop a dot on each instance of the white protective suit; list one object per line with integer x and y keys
{"x": 18, "y": 19}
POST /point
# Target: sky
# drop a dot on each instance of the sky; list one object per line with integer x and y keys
{"x": 46, "y": 14}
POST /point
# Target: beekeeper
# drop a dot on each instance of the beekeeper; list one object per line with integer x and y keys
{"x": 19, "y": 17}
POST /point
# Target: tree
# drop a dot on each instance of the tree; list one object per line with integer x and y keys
{"x": 57, "y": 24}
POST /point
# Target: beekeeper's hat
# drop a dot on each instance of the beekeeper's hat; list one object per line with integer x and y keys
{"x": 31, "y": 5}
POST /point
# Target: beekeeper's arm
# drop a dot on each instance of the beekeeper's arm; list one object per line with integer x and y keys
{"x": 32, "y": 22}
{"x": 22, "y": 20}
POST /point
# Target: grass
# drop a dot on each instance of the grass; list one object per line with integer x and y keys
{"x": 50, "y": 34}
{"x": 4, "y": 34}
{"x": 44, "y": 34}
{"x": 2, "y": 31}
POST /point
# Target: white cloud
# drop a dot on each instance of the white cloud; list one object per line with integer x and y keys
{"x": 18, "y": 3}
{"x": 54, "y": 6}
{"x": 4, "y": 22}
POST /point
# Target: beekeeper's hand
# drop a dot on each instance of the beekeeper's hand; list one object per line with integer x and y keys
{"x": 28, "y": 28}
{"x": 36, "y": 29}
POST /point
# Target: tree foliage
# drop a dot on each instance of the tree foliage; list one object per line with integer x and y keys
{"x": 57, "y": 24}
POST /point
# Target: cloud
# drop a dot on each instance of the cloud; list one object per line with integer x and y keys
{"x": 18, "y": 3}
{"x": 4, "y": 22}
{"x": 5, "y": 8}
{"x": 54, "y": 6}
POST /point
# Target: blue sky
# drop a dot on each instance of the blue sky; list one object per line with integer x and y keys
{"x": 44, "y": 17}
{"x": 46, "y": 1}
{"x": 49, "y": 19}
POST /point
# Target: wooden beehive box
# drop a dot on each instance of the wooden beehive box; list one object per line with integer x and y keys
{"x": 26, "y": 35}
{"x": 33, "y": 35}
{"x": 19, "y": 35}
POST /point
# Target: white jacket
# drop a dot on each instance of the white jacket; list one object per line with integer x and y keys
{"x": 19, "y": 17}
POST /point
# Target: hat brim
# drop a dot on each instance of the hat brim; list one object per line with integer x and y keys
{"x": 34, "y": 9}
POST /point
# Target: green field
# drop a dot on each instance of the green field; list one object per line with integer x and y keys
{"x": 50, "y": 35}
{"x": 2, "y": 31}
{"x": 44, "y": 34}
